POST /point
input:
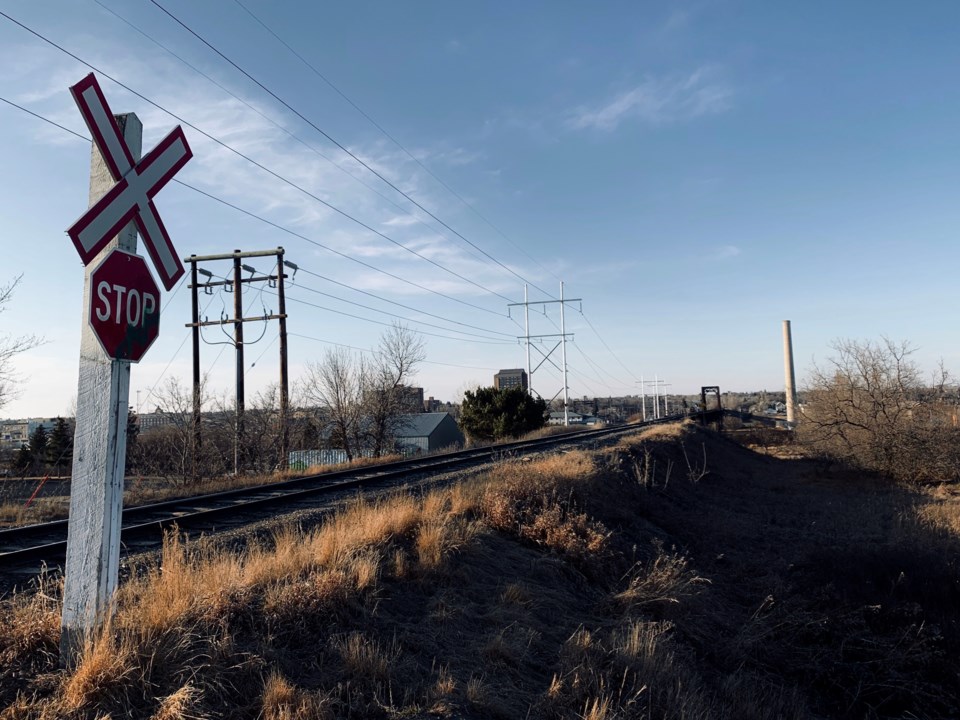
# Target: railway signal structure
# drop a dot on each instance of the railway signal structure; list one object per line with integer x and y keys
{"x": 121, "y": 314}
{"x": 136, "y": 183}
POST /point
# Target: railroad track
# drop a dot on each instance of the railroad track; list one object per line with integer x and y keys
{"x": 23, "y": 549}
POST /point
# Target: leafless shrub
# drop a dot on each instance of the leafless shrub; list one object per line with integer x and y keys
{"x": 10, "y": 347}
{"x": 868, "y": 408}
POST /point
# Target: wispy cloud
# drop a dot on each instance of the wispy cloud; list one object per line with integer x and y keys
{"x": 726, "y": 251}
{"x": 226, "y": 174}
{"x": 658, "y": 100}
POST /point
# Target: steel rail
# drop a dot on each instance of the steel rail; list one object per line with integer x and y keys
{"x": 48, "y": 542}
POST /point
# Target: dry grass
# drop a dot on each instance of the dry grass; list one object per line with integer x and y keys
{"x": 141, "y": 490}
{"x": 567, "y": 587}
{"x": 15, "y": 512}
{"x": 284, "y": 701}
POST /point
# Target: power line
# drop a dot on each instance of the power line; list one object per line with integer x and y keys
{"x": 596, "y": 332}
{"x": 399, "y": 317}
{"x": 377, "y": 322}
{"x": 288, "y": 231}
{"x": 250, "y": 160}
{"x": 374, "y": 352}
{"x": 310, "y": 272}
{"x": 338, "y": 144}
{"x": 391, "y": 138}
{"x": 277, "y": 226}
{"x": 345, "y": 256}
{"x": 253, "y": 108}
{"x": 394, "y": 302}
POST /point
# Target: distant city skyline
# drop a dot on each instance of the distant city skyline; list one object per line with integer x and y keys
{"x": 697, "y": 172}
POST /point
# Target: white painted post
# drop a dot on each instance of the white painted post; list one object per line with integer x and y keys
{"x": 643, "y": 400}
{"x": 563, "y": 355}
{"x": 656, "y": 397}
{"x": 526, "y": 332}
{"x": 100, "y": 448}
{"x": 791, "y": 383}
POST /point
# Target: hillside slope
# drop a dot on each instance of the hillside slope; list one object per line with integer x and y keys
{"x": 679, "y": 575}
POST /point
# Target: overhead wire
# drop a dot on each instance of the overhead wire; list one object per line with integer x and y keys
{"x": 338, "y": 144}
{"x": 343, "y": 255}
{"x": 259, "y": 218}
{"x": 82, "y": 137}
{"x": 394, "y": 302}
{"x": 287, "y": 231}
{"x": 374, "y": 352}
{"x": 254, "y": 162}
{"x": 301, "y": 286}
{"x": 377, "y": 322}
{"x": 609, "y": 349}
{"x": 390, "y": 137}
{"x": 266, "y": 117}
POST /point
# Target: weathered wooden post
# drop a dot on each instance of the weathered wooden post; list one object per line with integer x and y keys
{"x": 121, "y": 312}
{"x": 100, "y": 443}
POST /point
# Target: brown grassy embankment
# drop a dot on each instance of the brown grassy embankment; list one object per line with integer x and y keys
{"x": 677, "y": 576}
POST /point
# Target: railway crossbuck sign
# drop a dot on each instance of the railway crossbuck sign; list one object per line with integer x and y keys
{"x": 136, "y": 184}
{"x": 122, "y": 315}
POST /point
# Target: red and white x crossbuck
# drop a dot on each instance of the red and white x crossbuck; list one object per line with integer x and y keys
{"x": 137, "y": 182}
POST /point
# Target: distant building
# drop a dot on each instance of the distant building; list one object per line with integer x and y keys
{"x": 14, "y": 433}
{"x": 432, "y": 405}
{"x": 411, "y": 399}
{"x": 154, "y": 420}
{"x": 516, "y": 377}
{"x": 425, "y": 432}
{"x": 556, "y": 418}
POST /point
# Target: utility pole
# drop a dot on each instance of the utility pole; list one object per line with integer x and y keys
{"x": 561, "y": 343}
{"x": 656, "y": 398}
{"x": 643, "y": 400}
{"x": 657, "y": 383}
{"x": 238, "y": 344}
{"x": 195, "y": 331}
{"x": 284, "y": 381}
{"x": 237, "y": 321}
{"x": 526, "y": 334}
{"x": 563, "y": 355}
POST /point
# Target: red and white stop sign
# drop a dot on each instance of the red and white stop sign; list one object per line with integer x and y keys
{"x": 124, "y": 306}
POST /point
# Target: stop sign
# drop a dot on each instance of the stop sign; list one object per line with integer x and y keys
{"x": 124, "y": 306}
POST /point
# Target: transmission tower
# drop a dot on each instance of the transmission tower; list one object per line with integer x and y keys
{"x": 561, "y": 343}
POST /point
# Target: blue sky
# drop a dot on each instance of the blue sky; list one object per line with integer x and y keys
{"x": 696, "y": 172}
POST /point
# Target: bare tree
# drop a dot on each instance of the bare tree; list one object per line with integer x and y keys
{"x": 262, "y": 430}
{"x": 10, "y": 347}
{"x": 358, "y": 402}
{"x": 395, "y": 364}
{"x": 165, "y": 449}
{"x": 866, "y": 407}
{"x": 334, "y": 386}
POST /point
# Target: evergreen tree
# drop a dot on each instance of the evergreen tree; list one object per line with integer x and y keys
{"x": 23, "y": 460}
{"x": 491, "y": 414}
{"x": 38, "y": 448}
{"x": 60, "y": 446}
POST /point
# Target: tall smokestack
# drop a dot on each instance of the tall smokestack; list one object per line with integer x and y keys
{"x": 788, "y": 371}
